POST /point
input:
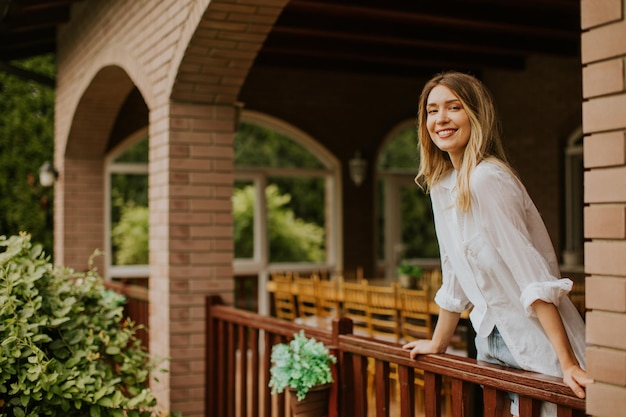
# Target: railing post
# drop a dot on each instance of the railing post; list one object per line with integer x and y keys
{"x": 494, "y": 402}
{"x": 529, "y": 407}
{"x": 381, "y": 382}
{"x": 342, "y": 393}
{"x": 212, "y": 341}
{"x": 432, "y": 394}
{"x": 406, "y": 379}
{"x": 461, "y": 398}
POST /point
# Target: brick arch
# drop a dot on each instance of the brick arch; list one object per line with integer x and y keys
{"x": 96, "y": 112}
{"x": 99, "y": 66}
{"x": 221, "y": 49}
{"x": 80, "y": 193}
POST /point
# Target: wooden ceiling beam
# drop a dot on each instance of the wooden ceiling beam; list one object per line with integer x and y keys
{"x": 284, "y": 35}
{"x": 304, "y": 55}
{"x": 422, "y": 15}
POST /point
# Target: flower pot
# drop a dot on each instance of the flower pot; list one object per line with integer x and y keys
{"x": 315, "y": 404}
{"x": 407, "y": 281}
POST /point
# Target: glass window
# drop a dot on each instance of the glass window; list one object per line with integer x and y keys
{"x": 127, "y": 210}
{"x": 406, "y": 227}
{"x": 284, "y": 204}
{"x": 295, "y": 197}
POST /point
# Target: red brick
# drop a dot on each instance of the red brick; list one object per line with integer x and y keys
{"x": 605, "y": 113}
{"x": 603, "y": 78}
{"x": 605, "y": 400}
{"x": 599, "y": 12}
{"x": 606, "y": 329}
{"x": 605, "y": 185}
{"x": 605, "y": 222}
{"x": 604, "y": 42}
{"x": 607, "y": 365}
{"x": 604, "y": 149}
{"x": 605, "y": 257}
{"x": 606, "y": 293}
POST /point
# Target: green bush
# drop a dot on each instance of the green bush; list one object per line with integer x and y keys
{"x": 65, "y": 348}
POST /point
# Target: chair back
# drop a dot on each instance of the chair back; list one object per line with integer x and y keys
{"x": 433, "y": 280}
{"x": 383, "y": 312}
{"x": 284, "y": 298}
{"x": 328, "y": 298}
{"x": 355, "y": 305}
{"x": 415, "y": 318}
{"x": 305, "y": 288}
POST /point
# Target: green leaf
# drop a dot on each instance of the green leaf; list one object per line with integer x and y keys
{"x": 105, "y": 402}
{"x": 94, "y": 411}
{"x": 113, "y": 350}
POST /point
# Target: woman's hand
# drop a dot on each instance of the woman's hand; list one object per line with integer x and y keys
{"x": 422, "y": 346}
{"x": 573, "y": 375}
{"x": 446, "y": 325}
{"x": 576, "y": 378}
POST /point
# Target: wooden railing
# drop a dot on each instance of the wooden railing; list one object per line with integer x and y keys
{"x": 137, "y": 307}
{"x": 237, "y": 383}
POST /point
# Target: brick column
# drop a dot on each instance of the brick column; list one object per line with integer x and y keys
{"x": 191, "y": 246}
{"x": 604, "y": 125}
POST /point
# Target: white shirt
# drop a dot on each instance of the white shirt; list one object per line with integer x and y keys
{"x": 498, "y": 258}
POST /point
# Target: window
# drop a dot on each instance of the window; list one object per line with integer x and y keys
{"x": 285, "y": 202}
{"x": 574, "y": 201}
{"x": 406, "y": 227}
{"x": 127, "y": 230}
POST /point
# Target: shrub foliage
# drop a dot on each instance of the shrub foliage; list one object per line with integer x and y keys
{"x": 65, "y": 348}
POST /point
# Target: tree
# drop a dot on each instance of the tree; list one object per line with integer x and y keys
{"x": 26, "y": 141}
{"x": 291, "y": 239}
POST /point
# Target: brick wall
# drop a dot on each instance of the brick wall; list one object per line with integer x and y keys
{"x": 188, "y": 61}
{"x": 604, "y": 123}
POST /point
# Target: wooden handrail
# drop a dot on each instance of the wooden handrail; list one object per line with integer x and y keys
{"x": 538, "y": 386}
{"x": 231, "y": 332}
{"x": 137, "y": 307}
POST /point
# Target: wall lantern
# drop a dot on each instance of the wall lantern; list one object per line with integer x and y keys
{"x": 47, "y": 174}
{"x": 358, "y": 168}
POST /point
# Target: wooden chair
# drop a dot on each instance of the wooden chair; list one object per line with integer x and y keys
{"x": 284, "y": 298}
{"x": 458, "y": 344}
{"x": 415, "y": 316}
{"x": 383, "y": 312}
{"x": 355, "y": 305}
{"x": 328, "y": 298}
{"x": 306, "y": 296}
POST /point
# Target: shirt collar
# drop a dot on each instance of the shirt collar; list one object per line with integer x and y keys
{"x": 449, "y": 180}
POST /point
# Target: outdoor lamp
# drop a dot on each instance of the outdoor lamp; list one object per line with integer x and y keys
{"x": 358, "y": 168}
{"x": 47, "y": 174}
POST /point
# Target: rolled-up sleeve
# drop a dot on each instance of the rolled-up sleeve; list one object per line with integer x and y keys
{"x": 450, "y": 296}
{"x": 550, "y": 292}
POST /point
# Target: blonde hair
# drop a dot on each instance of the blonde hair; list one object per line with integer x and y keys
{"x": 485, "y": 142}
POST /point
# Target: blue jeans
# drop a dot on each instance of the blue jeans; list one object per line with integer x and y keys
{"x": 492, "y": 349}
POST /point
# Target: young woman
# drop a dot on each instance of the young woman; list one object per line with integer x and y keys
{"x": 496, "y": 254}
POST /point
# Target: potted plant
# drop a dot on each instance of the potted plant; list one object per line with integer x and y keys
{"x": 303, "y": 366}
{"x": 409, "y": 274}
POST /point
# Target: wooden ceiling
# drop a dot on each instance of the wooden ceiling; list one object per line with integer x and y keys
{"x": 416, "y": 36}
{"x": 393, "y": 37}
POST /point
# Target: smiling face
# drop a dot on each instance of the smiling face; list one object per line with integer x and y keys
{"x": 447, "y": 123}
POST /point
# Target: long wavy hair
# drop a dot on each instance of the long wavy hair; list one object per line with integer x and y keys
{"x": 485, "y": 142}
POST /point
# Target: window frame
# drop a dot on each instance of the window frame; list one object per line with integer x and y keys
{"x": 110, "y": 167}
{"x": 259, "y": 264}
{"x": 393, "y": 182}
